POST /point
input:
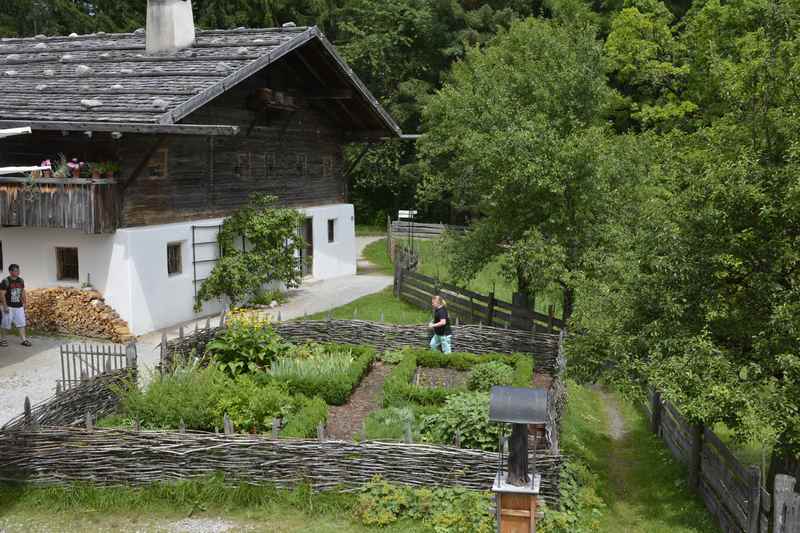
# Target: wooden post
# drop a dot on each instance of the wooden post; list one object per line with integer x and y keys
{"x": 695, "y": 450}
{"x": 164, "y": 353}
{"x": 458, "y": 439}
{"x": 275, "y": 428}
{"x": 551, "y": 311}
{"x": 389, "y": 237}
{"x": 782, "y": 497}
{"x": 180, "y": 332}
{"x": 222, "y": 319}
{"x": 321, "y": 432}
{"x": 28, "y": 412}
{"x": 137, "y": 425}
{"x": 89, "y": 421}
{"x": 227, "y": 425}
{"x": 490, "y": 310}
{"x": 408, "y": 437}
{"x": 182, "y": 426}
{"x": 655, "y": 407}
{"x": 208, "y": 324}
{"x": 754, "y": 511}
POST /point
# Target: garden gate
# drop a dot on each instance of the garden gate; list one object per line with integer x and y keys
{"x": 80, "y": 362}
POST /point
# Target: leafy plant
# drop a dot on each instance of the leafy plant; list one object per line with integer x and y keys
{"x": 468, "y": 414}
{"x": 330, "y": 371}
{"x": 484, "y": 376}
{"x": 270, "y": 255}
{"x": 390, "y": 423}
{"x": 454, "y": 510}
{"x": 304, "y": 422}
{"x": 392, "y": 357}
{"x": 248, "y": 344}
{"x": 252, "y": 406}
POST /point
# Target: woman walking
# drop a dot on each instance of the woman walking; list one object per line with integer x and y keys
{"x": 442, "y": 334}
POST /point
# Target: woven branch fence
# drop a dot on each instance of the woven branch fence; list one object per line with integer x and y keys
{"x": 472, "y": 338}
{"x": 114, "y": 457}
{"x": 69, "y": 408}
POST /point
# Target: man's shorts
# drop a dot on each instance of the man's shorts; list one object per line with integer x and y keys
{"x": 15, "y": 316}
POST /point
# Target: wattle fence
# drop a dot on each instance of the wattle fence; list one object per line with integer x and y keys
{"x": 734, "y": 493}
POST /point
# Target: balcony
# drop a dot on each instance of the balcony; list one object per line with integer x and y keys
{"x": 88, "y": 205}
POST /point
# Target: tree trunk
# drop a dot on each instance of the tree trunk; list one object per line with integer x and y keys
{"x": 569, "y": 302}
{"x": 518, "y": 456}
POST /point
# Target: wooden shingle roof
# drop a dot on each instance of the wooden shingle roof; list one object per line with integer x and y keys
{"x": 107, "y": 82}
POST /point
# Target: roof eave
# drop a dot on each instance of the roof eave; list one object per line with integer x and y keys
{"x": 128, "y": 127}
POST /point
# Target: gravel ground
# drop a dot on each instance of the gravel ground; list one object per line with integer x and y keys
{"x": 33, "y": 371}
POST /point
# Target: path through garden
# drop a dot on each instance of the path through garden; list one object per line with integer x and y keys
{"x": 346, "y": 421}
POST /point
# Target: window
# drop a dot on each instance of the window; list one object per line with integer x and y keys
{"x": 157, "y": 166}
{"x": 332, "y": 230}
{"x": 174, "y": 262}
{"x": 327, "y": 166}
{"x": 244, "y": 165}
{"x": 67, "y": 264}
{"x": 302, "y": 165}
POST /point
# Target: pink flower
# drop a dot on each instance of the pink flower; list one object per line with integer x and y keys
{"x": 45, "y": 164}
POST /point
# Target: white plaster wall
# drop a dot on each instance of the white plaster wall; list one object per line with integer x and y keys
{"x": 339, "y": 258}
{"x": 130, "y": 267}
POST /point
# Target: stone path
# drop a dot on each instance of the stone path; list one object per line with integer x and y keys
{"x": 346, "y": 421}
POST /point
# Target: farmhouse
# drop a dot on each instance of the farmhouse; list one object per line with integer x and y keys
{"x": 181, "y": 126}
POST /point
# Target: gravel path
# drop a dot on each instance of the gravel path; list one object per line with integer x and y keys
{"x": 33, "y": 371}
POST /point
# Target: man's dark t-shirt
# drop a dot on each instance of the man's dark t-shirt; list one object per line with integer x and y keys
{"x": 438, "y": 315}
{"x": 13, "y": 288}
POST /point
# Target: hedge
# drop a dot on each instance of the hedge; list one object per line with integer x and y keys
{"x": 398, "y": 389}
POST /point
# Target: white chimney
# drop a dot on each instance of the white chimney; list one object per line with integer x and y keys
{"x": 170, "y": 26}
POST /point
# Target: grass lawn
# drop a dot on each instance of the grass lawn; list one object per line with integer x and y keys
{"x": 749, "y": 453}
{"x": 365, "y": 230}
{"x": 643, "y": 487}
{"x": 370, "y": 308}
{"x": 160, "y": 507}
{"x": 435, "y": 262}
{"x": 377, "y": 253}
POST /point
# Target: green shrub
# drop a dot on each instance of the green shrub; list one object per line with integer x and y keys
{"x": 467, "y": 413}
{"x": 390, "y": 423}
{"x": 252, "y": 406}
{"x": 455, "y": 510}
{"x": 202, "y": 396}
{"x": 398, "y": 389}
{"x": 484, "y": 376}
{"x": 303, "y": 423}
{"x": 330, "y": 371}
{"x": 248, "y": 344}
{"x": 187, "y": 394}
{"x": 392, "y": 357}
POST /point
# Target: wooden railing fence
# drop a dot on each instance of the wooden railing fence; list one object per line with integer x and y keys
{"x": 403, "y": 229}
{"x": 80, "y": 362}
{"x": 734, "y": 493}
{"x": 470, "y": 307}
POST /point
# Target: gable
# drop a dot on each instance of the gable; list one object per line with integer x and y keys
{"x": 106, "y": 82}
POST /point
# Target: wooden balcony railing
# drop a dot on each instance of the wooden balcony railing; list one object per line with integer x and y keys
{"x": 91, "y": 206}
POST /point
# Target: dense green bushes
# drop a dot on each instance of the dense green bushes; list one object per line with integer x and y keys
{"x": 398, "y": 389}
{"x": 200, "y": 397}
{"x": 467, "y": 414}
{"x": 330, "y": 371}
{"x": 486, "y": 375}
{"x": 303, "y": 424}
{"x": 248, "y": 344}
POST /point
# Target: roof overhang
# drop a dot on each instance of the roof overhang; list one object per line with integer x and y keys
{"x": 132, "y": 127}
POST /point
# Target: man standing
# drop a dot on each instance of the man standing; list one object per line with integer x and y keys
{"x": 12, "y": 305}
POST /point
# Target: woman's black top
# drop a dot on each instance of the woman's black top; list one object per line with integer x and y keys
{"x": 439, "y": 315}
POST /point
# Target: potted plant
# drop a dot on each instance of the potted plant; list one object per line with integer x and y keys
{"x": 97, "y": 170}
{"x": 48, "y": 168}
{"x": 111, "y": 169}
{"x": 75, "y": 167}
{"x": 61, "y": 169}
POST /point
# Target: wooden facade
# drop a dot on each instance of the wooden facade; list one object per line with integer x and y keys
{"x": 244, "y": 112}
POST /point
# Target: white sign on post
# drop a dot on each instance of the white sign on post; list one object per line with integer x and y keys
{"x": 406, "y": 214}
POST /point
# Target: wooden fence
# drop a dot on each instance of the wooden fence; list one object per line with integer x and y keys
{"x": 403, "y": 229}
{"x": 80, "y": 362}
{"x": 735, "y": 494}
{"x": 470, "y": 307}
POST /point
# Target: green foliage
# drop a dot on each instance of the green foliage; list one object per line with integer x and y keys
{"x": 271, "y": 245}
{"x": 200, "y": 397}
{"x": 390, "y": 423}
{"x": 252, "y": 406}
{"x": 398, "y": 389}
{"x": 392, "y": 357}
{"x": 484, "y": 376}
{"x": 332, "y": 373}
{"x": 444, "y": 510}
{"x": 303, "y": 423}
{"x": 246, "y": 345}
{"x": 383, "y": 305}
{"x": 468, "y": 414}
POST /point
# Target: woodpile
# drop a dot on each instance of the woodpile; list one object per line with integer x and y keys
{"x": 69, "y": 311}
{"x": 113, "y": 457}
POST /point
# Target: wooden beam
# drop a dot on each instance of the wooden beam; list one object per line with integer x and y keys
{"x": 323, "y": 94}
{"x": 129, "y": 127}
{"x": 160, "y": 141}
{"x": 14, "y": 131}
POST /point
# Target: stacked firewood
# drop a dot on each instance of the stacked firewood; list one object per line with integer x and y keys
{"x": 69, "y": 311}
